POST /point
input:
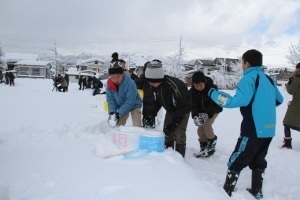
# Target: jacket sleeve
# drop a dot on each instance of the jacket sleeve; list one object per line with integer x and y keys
{"x": 112, "y": 104}
{"x": 292, "y": 88}
{"x": 243, "y": 96}
{"x": 130, "y": 95}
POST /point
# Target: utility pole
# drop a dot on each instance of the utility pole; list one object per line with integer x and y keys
{"x": 55, "y": 53}
{"x": 179, "y": 53}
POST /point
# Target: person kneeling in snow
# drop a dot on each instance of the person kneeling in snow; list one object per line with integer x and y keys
{"x": 122, "y": 97}
{"x": 257, "y": 96}
{"x": 204, "y": 113}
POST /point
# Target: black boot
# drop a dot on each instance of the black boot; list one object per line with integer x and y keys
{"x": 230, "y": 181}
{"x": 211, "y": 146}
{"x": 180, "y": 148}
{"x": 203, "y": 150}
{"x": 256, "y": 185}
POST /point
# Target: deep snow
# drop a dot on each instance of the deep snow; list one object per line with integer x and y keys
{"x": 51, "y": 145}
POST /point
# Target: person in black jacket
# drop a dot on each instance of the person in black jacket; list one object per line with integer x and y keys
{"x": 172, "y": 94}
{"x": 143, "y": 84}
{"x": 204, "y": 113}
{"x": 97, "y": 84}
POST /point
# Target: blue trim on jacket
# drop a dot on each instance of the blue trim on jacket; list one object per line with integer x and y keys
{"x": 259, "y": 114}
{"x": 125, "y": 99}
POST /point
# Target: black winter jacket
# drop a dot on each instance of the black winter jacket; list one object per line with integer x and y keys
{"x": 202, "y": 103}
{"x": 174, "y": 96}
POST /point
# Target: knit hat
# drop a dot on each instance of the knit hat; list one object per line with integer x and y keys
{"x": 154, "y": 72}
{"x": 115, "y": 68}
{"x": 298, "y": 66}
{"x": 198, "y": 77}
{"x": 253, "y": 57}
{"x": 115, "y": 57}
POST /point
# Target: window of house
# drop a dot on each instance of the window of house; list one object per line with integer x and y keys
{"x": 84, "y": 68}
{"x": 36, "y": 71}
{"x": 24, "y": 70}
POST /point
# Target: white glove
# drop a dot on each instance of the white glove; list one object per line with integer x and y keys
{"x": 200, "y": 119}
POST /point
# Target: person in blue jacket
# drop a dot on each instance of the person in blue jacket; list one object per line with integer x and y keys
{"x": 122, "y": 97}
{"x": 257, "y": 96}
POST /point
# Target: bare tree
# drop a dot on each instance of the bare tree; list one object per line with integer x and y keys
{"x": 174, "y": 65}
{"x": 294, "y": 53}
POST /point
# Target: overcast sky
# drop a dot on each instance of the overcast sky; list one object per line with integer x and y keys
{"x": 209, "y": 28}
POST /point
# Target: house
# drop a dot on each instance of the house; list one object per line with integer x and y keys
{"x": 93, "y": 64}
{"x": 74, "y": 74}
{"x": 33, "y": 69}
{"x": 12, "y": 58}
{"x": 206, "y": 66}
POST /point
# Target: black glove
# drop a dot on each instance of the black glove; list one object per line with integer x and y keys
{"x": 117, "y": 117}
{"x": 169, "y": 129}
{"x": 148, "y": 122}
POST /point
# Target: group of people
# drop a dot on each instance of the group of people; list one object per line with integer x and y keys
{"x": 9, "y": 78}
{"x": 256, "y": 95}
{"x": 61, "y": 83}
{"x": 96, "y": 82}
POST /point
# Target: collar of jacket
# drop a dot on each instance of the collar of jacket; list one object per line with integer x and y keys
{"x": 251, "y": 69}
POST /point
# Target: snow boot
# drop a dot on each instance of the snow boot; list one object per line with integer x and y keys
{"x": 210, "y": 149}
{"x": 230, "y": 182}
{"x": 203, "y": 150}
{"x": 287, "y": 143}
{"x": 256, "y": 184}
{"x": 180, "y": 148}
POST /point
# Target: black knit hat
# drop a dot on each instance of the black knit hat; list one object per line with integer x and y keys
{"x": 115, "y": 68}
{"x": 115, "y": 57}
{"x": 298, "y": 66}
{"x": 253, "y": 57}
{"x": 198, "y": 77}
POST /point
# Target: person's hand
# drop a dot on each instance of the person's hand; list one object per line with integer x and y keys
{"x": 200, "y": 119}
{"x": 169, "y": 129}
{"x": 148, "y": 122}
{"x": 113, "y": 119}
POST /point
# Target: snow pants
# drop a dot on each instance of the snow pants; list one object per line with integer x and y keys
{"x": 249, "y": 152}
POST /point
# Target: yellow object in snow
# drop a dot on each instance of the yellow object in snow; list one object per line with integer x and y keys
{"x": 105, "y": 106}
{"x": 141, "y": 93}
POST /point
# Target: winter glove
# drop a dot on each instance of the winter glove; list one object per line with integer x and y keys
{"x": 169, "y": 129}
{"x": 200, "y": 119}
{"x": 113, "y": 119}
{"x": 148, "y": 122}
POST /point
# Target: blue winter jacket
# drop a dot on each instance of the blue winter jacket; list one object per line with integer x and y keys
{"x": 124, "y": 98}
{"x": 257, "y": 96}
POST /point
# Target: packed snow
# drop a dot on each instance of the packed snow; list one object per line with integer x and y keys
{"x": 52, "y": 146}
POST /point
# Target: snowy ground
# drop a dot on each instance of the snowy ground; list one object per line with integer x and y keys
{"x": 51, "y": 143}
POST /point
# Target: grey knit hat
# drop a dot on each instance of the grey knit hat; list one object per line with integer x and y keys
{"x": 154, "y": 71}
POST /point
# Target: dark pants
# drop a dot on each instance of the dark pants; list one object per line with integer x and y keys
{"x": 249, "y": 152}
{"x": 63, "y": 89}
{"x": 96, "y": 90}
{"x": 180, "y": 131}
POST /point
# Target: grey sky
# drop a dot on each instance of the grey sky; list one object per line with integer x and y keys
{"x": 209, "y": 28}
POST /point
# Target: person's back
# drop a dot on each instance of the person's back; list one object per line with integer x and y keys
{"x": 257, "y": 96}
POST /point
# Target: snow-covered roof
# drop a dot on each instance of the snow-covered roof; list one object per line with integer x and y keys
{"x": 89, "y": 61}
{"x": 33, "y": 63}
{"x": 15, "y": 57}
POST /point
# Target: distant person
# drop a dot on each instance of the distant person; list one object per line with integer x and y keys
{"x": 122, "y": 97}
{"x": 1, "y": 77}
{"x": 80, "y": 82}
{"x": 97, "y": 85}
{"x": 61, "y": 83}
{"x": 292, "y": 116}
{"x": 204, "y": 112}
{"x": 84, "y": 82}
{"x": 11, "y": 79}
{"x": 133, "y": 75}
{"x": 141, "y": 83}
{"x": 171, "y": 94}
{"x": 6, "y": 78}
{"x": 67, "y": 80}
{"x": 257, "y": 96}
